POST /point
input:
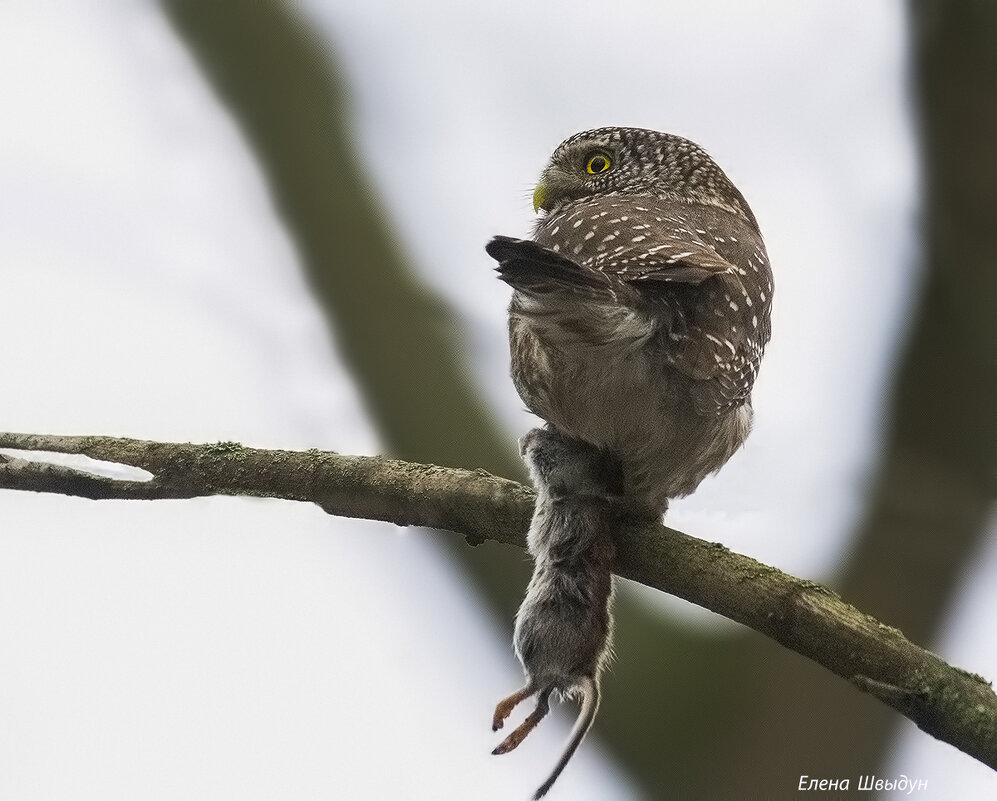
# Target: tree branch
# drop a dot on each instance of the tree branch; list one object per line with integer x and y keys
{"x": 946, "y": 702}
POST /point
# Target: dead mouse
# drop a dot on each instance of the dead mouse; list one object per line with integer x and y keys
{"x": 564, "y": 626}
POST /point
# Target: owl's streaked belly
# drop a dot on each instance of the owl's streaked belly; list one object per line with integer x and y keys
{"x": 624, "y": 397}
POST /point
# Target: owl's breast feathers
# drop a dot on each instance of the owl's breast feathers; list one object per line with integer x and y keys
{"x": 698, "y": 273}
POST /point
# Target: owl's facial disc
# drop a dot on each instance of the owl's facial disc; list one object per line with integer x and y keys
{"x": 556, "y": 186}
{"x": 576, "y": 171}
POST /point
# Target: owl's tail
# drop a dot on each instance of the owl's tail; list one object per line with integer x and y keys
{"x": 533, "y": 269}
{"x": 590, "y": 705}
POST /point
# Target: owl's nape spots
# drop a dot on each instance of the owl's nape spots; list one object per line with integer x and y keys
{"x": 642, "y": 328}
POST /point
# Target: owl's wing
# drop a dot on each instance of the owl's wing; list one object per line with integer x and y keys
{"x": 721, "y": 343}
{"x": 573, "y": 297}
{"x": 537, "y": 270}
{"x": 633, "y": 236}
{"x": 702, "y": 267}
{"x": 689, "y": 267}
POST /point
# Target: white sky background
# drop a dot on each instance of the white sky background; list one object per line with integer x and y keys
{"x": 241, "y": 649}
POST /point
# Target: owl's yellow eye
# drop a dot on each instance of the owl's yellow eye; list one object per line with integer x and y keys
{"x": 598, "y": 162}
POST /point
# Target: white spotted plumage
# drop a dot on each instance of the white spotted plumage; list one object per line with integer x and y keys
{"x": 646, "y": 339}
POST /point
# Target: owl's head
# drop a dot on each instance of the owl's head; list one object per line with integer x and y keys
{"x": 634, "y": 161}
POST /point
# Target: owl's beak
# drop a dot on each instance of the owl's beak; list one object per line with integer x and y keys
{"x": 540, "y": 196}
{"x": 556, "y": 186}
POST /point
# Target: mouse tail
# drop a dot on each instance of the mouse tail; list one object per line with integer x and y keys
{"x": 590, "y": 705}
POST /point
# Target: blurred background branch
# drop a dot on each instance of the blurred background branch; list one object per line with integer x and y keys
{"x": 933, "y": 488}
{"x": 401, "y": 342}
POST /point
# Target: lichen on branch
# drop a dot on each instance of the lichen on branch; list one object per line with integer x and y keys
{"x": 950, "y": 704}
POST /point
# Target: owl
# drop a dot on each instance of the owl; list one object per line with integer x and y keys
{"x": 641, "y": 306}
